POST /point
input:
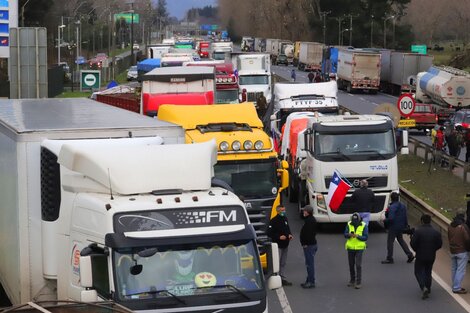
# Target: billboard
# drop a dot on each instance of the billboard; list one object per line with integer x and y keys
{"x": 127, "y": 17}
{"x": 8, "y": 20}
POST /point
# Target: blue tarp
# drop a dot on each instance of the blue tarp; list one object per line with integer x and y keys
{"x": 147, "y": 65}
{"x": 112, "y": 84}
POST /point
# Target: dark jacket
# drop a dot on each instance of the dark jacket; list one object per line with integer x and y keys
{"x": 396, "y": 217}
{"x": 425, "y": 242}
{"x": 459, "y": 237}
{"x": 308, "y": 232}
{"x": 363, "y": 199}
{"x": 279, "y": 226}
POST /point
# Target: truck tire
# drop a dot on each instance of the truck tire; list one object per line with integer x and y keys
{"x": 348, "y": 87}
{"x": 302, "y": 197}
{"x": 293, "y": 189}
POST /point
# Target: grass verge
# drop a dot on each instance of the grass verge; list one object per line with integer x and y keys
{"x": 439, "y": 188}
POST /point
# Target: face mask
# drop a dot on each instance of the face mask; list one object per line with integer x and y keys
{"x": 282, "y": 213}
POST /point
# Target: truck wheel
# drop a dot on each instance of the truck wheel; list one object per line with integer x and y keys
{"x": 348, "y": 87}
{"x": 292, "y": 190}
{"x": 373, "y": 91}
{"x": 301, "y": 190}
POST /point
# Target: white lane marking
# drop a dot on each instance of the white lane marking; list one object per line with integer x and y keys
{"x": 283, "y": 300}
{"x": 448, "y": 288}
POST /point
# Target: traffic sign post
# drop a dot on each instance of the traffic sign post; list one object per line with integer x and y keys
{"x": 90, "y": 79}
{"x": 406, "y": 106}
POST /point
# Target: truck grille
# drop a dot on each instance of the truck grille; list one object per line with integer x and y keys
{"x": 349, "y": 207}
{"x": 374, "y": 182}
{"x": 253, "y": 96}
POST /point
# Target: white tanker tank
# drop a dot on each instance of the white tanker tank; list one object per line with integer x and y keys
{"x": 446, "y": 86}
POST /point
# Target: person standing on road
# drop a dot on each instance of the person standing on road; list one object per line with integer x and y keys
{"x": 459, "y": 241}
{"x": 293, "y": 75}
{"x": 309, "y": 244}
{"x": 425, "y": 242}
{"x": 356, "y": 233}
{"x": 396, "y": 222}
{"x": 279, "y": 232}
{"x": 310, "y": 76}
{"x": 363, "y": 199}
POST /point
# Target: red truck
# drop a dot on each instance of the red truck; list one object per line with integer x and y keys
{"x": 168, "y": 85}
{"x": 425, "y": 116}
{"x": 203, "y": 49}
{"x": 225, "y": 80}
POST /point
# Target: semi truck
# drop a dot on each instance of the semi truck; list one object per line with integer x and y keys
{"x": 177, "y": 85}
{"x": 203, "y": 49}
{"x": 246, "y": 159}
{"x": 445, "y": 88}
{"x": 254, "y": 75}
{"x": 295, "y": 97}
{"x": 310, "y": 56}
{"x": 358, "y": 147}
{"x": 399, "y": 70}
{"x": 226, "y": 82}
{"x": 358, "y": 70}
{"x": 248, "y": 44}
{"x": 221, "y": 50}
{"x": 103, "y": 204}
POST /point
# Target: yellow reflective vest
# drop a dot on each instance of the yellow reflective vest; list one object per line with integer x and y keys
{"x": 354, "y": 243}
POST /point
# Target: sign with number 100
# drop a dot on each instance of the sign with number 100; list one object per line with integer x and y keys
{"x": 406, "y": 104}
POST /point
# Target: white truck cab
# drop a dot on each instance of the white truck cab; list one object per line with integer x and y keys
{"x": 254, "y": 75}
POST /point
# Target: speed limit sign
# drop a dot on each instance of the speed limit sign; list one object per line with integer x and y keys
{"x": 406, "y": 104}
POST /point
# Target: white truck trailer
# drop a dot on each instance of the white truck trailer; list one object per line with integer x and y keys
{"x": 358, "y": 70}
{"x": 310, "y": 56}
{"x": 294, "y": 97}
{"x": 90, "y": 212}
{"x": 359, "y": 147}
{"x": 254, "y": 75}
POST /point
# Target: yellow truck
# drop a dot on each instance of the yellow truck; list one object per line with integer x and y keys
{"x": 246, "y": 158}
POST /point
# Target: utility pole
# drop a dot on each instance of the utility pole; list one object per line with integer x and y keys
{"x": 350, "y": 29}
{"x": 339, "y": 19}
{"x": 131, "y": 2}
{"x": 371, "y": 29}
{"x": 323, "y": 15}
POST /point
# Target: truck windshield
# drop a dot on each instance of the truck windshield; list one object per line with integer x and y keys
{"x": 227, "y": 96}
{"x": 250, "y": 178}
{"x": 253, "y": 80}
{"x": 172, "y": 273}
{"x": 218, "y": 55}
{"x": 357, "y": 146}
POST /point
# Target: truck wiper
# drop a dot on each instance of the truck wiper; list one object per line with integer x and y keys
{"x": 375, "y": 151}
{"x": 156, "y": 292}
{"x": 344, "y": 156}
{"x": 229, "y": 286}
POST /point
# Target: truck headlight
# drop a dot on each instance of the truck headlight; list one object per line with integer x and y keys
{"x": 236, "y": 145}
{"x": 248, "y": 145}
{"x": 321, "y": 201}
{"x": 223, "y": 146}
{"x": 259, "y": 145}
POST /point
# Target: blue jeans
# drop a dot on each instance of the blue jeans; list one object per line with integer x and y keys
{"x": 459, "y": 265}
{"x": 309, "y": 254}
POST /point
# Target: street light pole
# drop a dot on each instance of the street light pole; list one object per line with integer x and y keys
{"x": 350, "y": 29}
{"x": 339, "y": 29}
{"x": 22, "y": 13}
{"x": 77, "y": 24}
{"x": 343, "y": 31}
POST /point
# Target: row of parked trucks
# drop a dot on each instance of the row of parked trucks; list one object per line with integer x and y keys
{"x": 99, "y": 203}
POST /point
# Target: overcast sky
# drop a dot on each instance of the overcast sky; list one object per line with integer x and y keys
{"x": 179, "y": 7}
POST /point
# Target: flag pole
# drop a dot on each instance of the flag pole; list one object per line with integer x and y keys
{"x": 344, "y": 178}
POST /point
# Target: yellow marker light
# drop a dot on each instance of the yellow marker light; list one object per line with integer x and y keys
{"x": 224, "y": 146}
{"x": 259, "y": 145}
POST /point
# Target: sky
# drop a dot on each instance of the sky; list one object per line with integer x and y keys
{"x": 179, "y": 7}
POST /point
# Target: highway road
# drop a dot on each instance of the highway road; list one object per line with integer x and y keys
{"x": 386, "y": 288}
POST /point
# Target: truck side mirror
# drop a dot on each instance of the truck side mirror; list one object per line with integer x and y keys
{"x": 86, "y": 274}
{"x": 274, "y": 281}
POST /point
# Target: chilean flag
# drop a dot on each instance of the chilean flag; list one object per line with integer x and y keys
{"x": 336, "y": 192}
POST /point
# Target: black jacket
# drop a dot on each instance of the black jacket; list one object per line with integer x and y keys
{"x": 425, "y": 242}
{"x": 279, "y": 226}
{"x": 308, "y": 232}
{"x": 363, "y": 199}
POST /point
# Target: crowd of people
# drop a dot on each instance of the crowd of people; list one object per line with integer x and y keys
{"x": 425, "y": 241}
{"x": 451, "y": 138}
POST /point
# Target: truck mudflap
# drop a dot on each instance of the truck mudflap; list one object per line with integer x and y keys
{"x": 365, "y": 84}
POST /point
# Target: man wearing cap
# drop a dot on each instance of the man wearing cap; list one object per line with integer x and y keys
{"x": 356, "y": 233}
{"x": 309, "y": 244}
{"x": 459, "y": 241}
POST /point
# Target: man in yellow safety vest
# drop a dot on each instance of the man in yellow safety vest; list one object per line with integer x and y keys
{"x": 356, "y": 233}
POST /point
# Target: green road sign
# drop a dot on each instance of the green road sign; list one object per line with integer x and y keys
{"x": 419, "y": 49}
{"x": 127, "y": 17}
{"x": 90, "y": 79}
